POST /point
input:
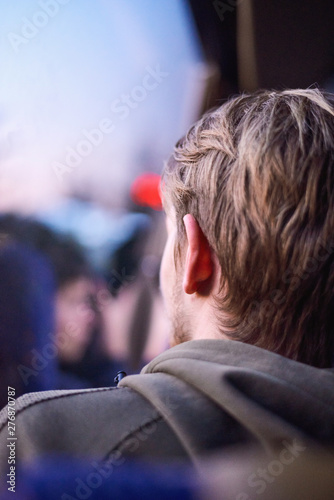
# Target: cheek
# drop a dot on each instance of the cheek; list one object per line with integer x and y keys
{"x": 167, "y": 269}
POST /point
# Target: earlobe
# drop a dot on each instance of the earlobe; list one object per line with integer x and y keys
{"x": 198, "y": 266}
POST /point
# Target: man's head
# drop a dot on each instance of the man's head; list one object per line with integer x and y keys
{"x": 249, "y": 194}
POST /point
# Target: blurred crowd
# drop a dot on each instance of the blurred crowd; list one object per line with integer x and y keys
{"x": 66, "y": 324}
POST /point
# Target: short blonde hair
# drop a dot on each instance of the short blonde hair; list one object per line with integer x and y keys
{"x": 258, "y": 175}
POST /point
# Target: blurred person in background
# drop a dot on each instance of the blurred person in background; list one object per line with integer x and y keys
{"x": 74, "y": 315}
{"x": 133, "y": 318}
{"x": 103, "y": 324}
{"x": 27, "y": 341}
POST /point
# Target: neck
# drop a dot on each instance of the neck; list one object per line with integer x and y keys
{"x": 204, "y": 320}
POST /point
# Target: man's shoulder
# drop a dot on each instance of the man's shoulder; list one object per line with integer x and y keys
{"x": 81, "y": 422}
{"x": 73, "y": 406}
{"x": 38, "y": 399}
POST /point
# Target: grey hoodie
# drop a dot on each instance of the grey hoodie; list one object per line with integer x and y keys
{"x": 198, "y": 397}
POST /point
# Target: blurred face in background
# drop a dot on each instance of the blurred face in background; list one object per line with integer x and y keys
{"x": 74, "y": 318}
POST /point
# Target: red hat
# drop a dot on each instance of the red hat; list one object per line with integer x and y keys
{"x": 145, "y": 190}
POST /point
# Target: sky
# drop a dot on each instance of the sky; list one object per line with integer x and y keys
{"x": 92, "y": 92}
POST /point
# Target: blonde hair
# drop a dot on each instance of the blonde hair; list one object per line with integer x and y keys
{"x": 258, "y": 175}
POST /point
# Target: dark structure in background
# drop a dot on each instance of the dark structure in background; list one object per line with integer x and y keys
{"x": 265, "y": 44}
{"x": 217, "y": 33}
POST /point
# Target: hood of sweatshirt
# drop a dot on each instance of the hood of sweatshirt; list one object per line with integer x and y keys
{"x": 205, "y": 384}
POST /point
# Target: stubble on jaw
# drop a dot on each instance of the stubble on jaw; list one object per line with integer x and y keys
{"x": 180, "y": 327}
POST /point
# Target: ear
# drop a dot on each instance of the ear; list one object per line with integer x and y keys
{"x": 199, "y": 266}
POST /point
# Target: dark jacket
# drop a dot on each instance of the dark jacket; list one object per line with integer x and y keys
{"x": 197, "y": 397}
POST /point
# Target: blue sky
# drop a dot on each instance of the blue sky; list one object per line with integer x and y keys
{"x": 64, "y": 77}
